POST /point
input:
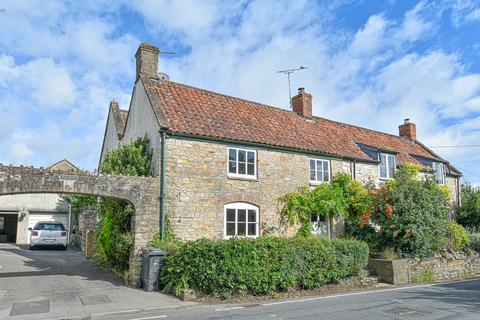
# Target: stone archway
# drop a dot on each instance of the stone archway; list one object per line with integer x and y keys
{"x": 142, "y": 192}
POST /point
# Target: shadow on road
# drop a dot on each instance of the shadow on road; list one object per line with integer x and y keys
{"x": 51, "y": 261}
{"x": 463, "y": 295}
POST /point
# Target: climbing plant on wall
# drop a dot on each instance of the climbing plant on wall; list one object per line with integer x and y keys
{"x": 114, "y": 238}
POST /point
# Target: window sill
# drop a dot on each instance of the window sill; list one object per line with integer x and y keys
{"x": 255, "y": 179}
{"x": 385, "y": 179}
{"x": 317, "y": 183}
{"x": 239, "y": 237}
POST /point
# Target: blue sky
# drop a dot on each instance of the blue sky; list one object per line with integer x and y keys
{"x": 371, "y": 63}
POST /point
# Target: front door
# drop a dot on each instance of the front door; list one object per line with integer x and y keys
{"x": 321, "y": 226}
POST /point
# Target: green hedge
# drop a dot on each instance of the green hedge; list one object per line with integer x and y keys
{"x": 264, "y": 265}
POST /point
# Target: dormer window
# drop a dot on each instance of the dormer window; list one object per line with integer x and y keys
{"x": 387, "y": 165}
{"x": 439, "y": 172}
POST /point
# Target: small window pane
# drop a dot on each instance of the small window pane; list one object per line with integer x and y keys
{"x": 319, "y": 175}
{"x": 252, "y": 229}
{"x": 383, "y": 166}
{"x": 325, "y": 176}
{"x": 252, "y": 216}
{"x": 231, "y": 229}
{"x": 230, "y": 215}
{"x": 232, "y": 167}
{"x": 312, "y": 175}
{"x": 312, "y": 164}
{"x": 325, "y": 165}
{"x": 251, "y": 157}
{"x": 313, "y": 218}
{"x": 241, "y": 155}
{"x": 241, "y": 168}
{"x": 251, "y": 169}
{"x": 242, "y": 228}
{"x": 242, "y": 215}
{"x": 232, "y": 155}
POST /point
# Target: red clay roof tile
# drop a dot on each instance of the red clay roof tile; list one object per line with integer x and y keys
{"x": 200, "y": 112}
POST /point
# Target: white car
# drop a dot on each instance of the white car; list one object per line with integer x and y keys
{"x": 47, "y": 233}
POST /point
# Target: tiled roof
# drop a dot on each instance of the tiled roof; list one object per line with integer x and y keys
{"x": 188, "y": 110}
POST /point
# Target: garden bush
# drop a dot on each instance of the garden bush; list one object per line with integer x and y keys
{"x": 458, "y": 236}
{"x": 408, "y": 215}
{"x": 259, "y": 266}
{"x": 469, "y": 215}
{"x": 475, "y": 242}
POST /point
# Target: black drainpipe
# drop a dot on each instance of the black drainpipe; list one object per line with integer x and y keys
{"x": 163, "y": 148}
{"x": 354, "y": 174}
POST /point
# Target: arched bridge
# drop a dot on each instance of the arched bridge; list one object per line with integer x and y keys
{"x": 142, "y": 192}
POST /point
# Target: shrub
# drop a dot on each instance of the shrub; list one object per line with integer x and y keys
{"x": 408, "y": 215}
{"x": 475, "y": 242}
{"x": 426, "y": 276}
{"x": 264, "y": 265}
{"x": 470, "y": 210}
{"x": 459, "y": 237}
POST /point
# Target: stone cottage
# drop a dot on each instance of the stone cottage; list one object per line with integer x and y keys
{"x": 226, "y": 160}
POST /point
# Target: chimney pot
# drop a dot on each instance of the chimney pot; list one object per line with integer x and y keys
{"x": 408, "y": 130}
{"x": 147, "y": 61}
{"x": 302, "y": 103}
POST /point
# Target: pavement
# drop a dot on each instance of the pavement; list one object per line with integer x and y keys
{"x": 53, "y": 284}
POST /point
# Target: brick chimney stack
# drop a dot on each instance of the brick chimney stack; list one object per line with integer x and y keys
{"x": 408, "y": 129}
{"x": 302, "y": 103}
{"x": 147, "y": 61}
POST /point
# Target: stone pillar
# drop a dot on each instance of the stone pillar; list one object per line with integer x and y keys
{"x": 144, "y": 226}
{"x": 86, "y": 222}
{"x": 23, "y": 235}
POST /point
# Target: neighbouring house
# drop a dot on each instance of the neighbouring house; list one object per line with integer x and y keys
{"x": 22, "y": 211}
{"x": 228, "y": 160}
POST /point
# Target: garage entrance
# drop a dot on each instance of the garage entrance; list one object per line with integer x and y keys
{"x": 8, "y": 227}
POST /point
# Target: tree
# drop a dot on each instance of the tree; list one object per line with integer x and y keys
{"x": 469, "y": 215}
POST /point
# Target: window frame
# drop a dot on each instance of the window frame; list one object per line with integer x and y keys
{"x": 387, "y": 164}
{"x": 441, "y": 166}
{"x": 241, "y": 206}
{"x": 240, "y": 175}
{"x": 321, "y": 160}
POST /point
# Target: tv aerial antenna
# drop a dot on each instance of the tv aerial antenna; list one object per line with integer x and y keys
{"x": 288, "y": 72}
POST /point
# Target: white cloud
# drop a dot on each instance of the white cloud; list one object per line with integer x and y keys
{"x": 20, "y": 151}
{"x": 73, "y": 59}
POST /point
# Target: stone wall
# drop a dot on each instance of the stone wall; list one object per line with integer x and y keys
{"x": 445, "y": 266}
{"x": 142, "y": 192}
{"x": 452, "y": 183}
{"x": 367, "y": 172}
{"x": 198, "y": 186}
{"x": 86, "y": 222}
